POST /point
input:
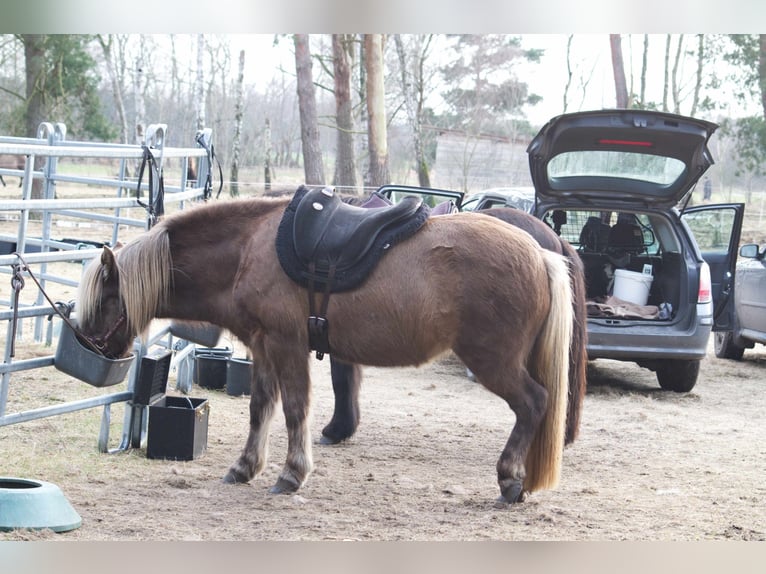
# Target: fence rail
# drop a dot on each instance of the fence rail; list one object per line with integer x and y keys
{"x": 43, "y": 172}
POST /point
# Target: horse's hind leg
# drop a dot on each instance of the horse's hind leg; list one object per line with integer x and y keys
{"x": 346, "y": 379}
{"x": 265, "y": 392}
{"x": 527, "y": 400}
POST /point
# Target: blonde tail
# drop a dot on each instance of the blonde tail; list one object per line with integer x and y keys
{"x": 550, "y": 367}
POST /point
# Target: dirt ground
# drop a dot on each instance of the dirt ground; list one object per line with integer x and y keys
{"x": 649, "y": 465}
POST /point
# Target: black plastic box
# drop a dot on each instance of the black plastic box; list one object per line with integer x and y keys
{"x": 152, "y": 377}
{"x": 177, "y": 428}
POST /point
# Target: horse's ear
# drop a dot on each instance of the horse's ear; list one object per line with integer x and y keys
{"x": 108, "y": 264}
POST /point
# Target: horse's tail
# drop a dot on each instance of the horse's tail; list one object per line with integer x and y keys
{"x": 578, "y": 356}
{"x": 550, "y": 367}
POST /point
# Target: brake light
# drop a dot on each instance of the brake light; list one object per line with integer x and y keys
{"x": 625, "y": 143}
{"x": 703, "y": 296}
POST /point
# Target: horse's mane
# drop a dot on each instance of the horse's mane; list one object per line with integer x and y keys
{"x": 145, "y": 270}
{"x": 145, "y": 265}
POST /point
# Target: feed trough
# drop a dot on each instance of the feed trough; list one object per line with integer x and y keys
{"x": 35, "y": 505}
{"x": 75, "y": 359}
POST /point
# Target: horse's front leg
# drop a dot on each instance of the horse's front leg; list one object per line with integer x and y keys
{"x": 295, "y": 387}
{"x": 346, "y": 379}
{"x": 263, "y": 398}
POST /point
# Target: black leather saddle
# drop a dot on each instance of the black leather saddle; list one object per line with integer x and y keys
{"x": 328, "y": 245}
{"x": 320, "y": 233}
{"x": 331, "y": 233}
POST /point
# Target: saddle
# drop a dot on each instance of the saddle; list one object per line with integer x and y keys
{"x": 329, "y": 233}
{"x": 328, "y": 245}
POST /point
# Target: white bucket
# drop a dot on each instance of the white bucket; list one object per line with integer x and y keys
{"x": 631, "y": 286}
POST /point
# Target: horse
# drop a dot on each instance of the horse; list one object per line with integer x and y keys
{"x": 347, "y": 378}
{"x": 467, "y": 283}
{"x": 11, "y": 161}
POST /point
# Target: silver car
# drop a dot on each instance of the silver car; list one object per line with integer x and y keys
{"x": 617, "y": 185}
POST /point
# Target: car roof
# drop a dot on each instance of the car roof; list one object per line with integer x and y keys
{"x": 619, "y": 157}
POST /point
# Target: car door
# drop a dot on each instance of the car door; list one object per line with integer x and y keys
{"x": 750, "y": 297}
{"x": 716, "y": 229}
{"x": 431, "y": 196}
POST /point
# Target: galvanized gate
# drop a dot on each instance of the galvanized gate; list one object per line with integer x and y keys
{"x": 111, "y": 200}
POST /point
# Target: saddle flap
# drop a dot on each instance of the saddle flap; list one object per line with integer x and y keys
{"x": 329, "y": 232}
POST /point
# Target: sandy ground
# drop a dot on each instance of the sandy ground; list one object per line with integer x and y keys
{"x": 649, "y": 465}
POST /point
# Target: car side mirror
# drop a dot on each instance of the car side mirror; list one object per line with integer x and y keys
{"x": 749, "y": 250}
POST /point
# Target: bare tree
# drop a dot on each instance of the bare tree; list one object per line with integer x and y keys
{"x": 568, "y": 84}
{"x": 644, "y": 65}
{"x": 312, "y": 152}
{"x": 107, "y": 44}
{"x": 674, "y": 79}
{"x": 666, "y": 84}
{"x": 413, "y": 88}
{"x": 234, "y": 190}
{"x": 199, "y": 88}
{"x": 618, "y": 68}
{"x": 345, "y": 160}
{"x": 698, "y": 82}
{"x": 377, "y": 132}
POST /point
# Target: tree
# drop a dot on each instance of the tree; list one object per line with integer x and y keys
{"x": 237, "y": 126}
{"x": 312, "y": 153}
{"x": 108, "y": 44}
{"x": 618, "y": 69}
{"x": 748, "y": 54}
{"x": 345, "y": 160}
{"x": 62, "y": 85}
{"x": 377, "y": 132}
{"x": 485, "y": 93}
{"x": 411, "y": 65}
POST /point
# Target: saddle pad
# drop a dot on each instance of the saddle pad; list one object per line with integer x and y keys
{"x": 352, "y": 277}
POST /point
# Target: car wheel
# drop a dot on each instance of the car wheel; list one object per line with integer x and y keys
{"x": 725, "y": 347}
{"x": 677, "y": 375}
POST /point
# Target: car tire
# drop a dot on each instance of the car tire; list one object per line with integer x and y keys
{"x": 678, "y": 375}
{"x": 725, "y": 347}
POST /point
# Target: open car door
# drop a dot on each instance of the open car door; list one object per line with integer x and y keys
{"x": 717, "y": 229}
{"x": 432, "y": 197}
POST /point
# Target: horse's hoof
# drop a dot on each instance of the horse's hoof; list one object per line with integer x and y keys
{"x": 283, "y": 486}
{"x": 326, "y": 440}
{"x": 233, "y": 478}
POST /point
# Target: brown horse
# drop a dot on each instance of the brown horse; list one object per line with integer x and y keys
{"x": 507, "y": 315}
{"x": 347, "y": 378}
{"x": 11, "y": 161}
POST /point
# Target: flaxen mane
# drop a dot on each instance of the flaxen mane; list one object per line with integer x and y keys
{"x": 144, "y": 268}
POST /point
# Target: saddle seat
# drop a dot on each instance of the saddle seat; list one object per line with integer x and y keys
{"x": 332, "y": 233}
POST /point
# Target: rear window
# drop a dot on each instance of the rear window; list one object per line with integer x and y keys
{"x": 626, "y": 165}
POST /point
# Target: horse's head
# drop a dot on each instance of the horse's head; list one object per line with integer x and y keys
{"x": 101, "y": 310}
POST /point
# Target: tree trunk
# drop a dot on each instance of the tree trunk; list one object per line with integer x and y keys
{"x": 675, "y": 89}
{"x": 345, "y": 161}
{"x": 666, "y": 84}
{"x": 698, "y": 82}
{"x": 234, "y": 189}
{"x": 312, "y": 152}
{"x": 412, "y": 88}
{"x": 267, "y": 156}
{"x": 644, "y": 65}
{"x": 618, "y": 68}
{"x": 762, "y": 69}
{"x": 377, "y": 133}
{"x": 34, "y": 61}
{"x": 107, "y": 45}
{"x": 199, "y": 86}
{"x": 568, "y": 85}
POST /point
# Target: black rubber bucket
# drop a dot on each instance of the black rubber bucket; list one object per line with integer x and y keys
{"x": 210, "y": 367}
{"x": 239, "y": 373}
